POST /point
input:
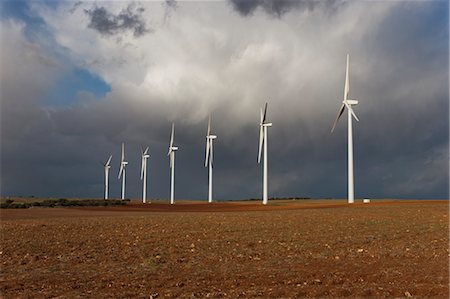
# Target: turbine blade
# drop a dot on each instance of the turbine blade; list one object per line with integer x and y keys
{"x": 261, "y": 140}
{"x": 172, "y": 135}
{"x": 120, "y": 171}
{"x": 347, "y": 83}
{"x": 265, "y": 113}
{"x": 353, "y": 113}
{"x": 207, "y": 151}
{"x": 341, "y": 110}
{"x": 171, "y": 140}
{"x": 209, "y": 126}
{"x": 142, "y": 167}
{"x": 146, "y": 151}
{"x": 212, "y": 154}
{"x": 123, "y": 152}
{"x": 260, "y": 116}
{"x": 109, "y": 161}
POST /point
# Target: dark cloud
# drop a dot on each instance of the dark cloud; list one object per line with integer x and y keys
{"x": 275, "y": 7}
{"x": 107, "y": 23}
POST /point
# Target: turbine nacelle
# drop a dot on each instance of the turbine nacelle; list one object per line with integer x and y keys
{"x": 171, "y": 147}
{"x": 144, "y": 156}
{"x": 107, "y": 163}
{"x": 123, "y": 163}
{"x": 263, "y": 125}
{"x": 209, "y": 149}
{"x": 351, "y": 102}
{"x": 346, "y": 103}
{"x": 144, "y": 153}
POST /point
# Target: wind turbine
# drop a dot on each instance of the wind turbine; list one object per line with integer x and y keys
{"x": 348, "y": 103}
{"x": 209, "y": 158}
{"x": 171, "y": 154}
{"x": 144, "y": 156}
{"x": 123, "y": 165}
{"x": 263, "y": 125}
{"x": 107, "y": 166}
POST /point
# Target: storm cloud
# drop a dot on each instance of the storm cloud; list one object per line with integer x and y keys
{"x": 109, "y": 24}
{"x": 276, "y": 8}
{"x": 207, "y": 59}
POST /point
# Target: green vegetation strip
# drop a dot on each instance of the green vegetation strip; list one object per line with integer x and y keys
{"x": 63, "y": 202}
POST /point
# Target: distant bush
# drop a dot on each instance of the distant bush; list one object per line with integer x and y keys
{"x": 48, "y": 203}
{"x": 12, "y": 205}
{"x": 64, "y": 202}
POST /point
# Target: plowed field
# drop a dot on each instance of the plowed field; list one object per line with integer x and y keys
{"x": 287, "y": 249}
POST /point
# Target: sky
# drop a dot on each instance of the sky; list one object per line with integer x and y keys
{"x": 79, "y": 78}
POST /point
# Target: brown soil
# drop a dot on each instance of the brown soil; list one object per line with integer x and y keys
{"x": 286, "y": 249}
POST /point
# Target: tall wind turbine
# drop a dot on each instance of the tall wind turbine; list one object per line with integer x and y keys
{"x": 123, "y": 165}
{"x": 348, "y": 103}
{"x": 107, "y": 166}
{"x": 263, "y": 125}
{"x": 144, "y": 157}
{"x": 209, "y": 158}
{"x": 171, "y": 154}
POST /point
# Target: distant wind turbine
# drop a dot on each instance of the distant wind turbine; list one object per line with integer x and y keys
{"x": 263, "y": 125}
{"x": 171, "y": 154}
{"x": 144, "y": 157}
{"x": 123, "y": 165}
{"x": 348, "y": 103}
{"x": 107, "y": 166}
{"x": 209, "y": 158}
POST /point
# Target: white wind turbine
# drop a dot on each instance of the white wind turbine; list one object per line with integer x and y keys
{"x": 209, "y": 158}
{"x": 123, "y": 165}
{"x": 263, "y": 125}
{"x": 107, "y": 166}
{"x": 144, "y": 157}
{"x": 171, "y": 154}
{"x": 348, "y": 103}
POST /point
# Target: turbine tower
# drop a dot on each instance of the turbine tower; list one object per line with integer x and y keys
{"x": 144, "y": 157}
{"x": 209, "y": 158}
{"x": 123, "y": 165}
{"x": 263, "y": 125}
{"x": 107, "y": 166}
{"x": 171, "y": 154}
{"x": 346, "y": 103}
